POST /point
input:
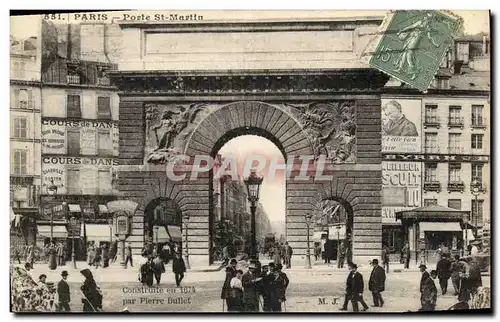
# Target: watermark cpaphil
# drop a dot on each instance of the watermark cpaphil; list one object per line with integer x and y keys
{"x": 304, "y": 167}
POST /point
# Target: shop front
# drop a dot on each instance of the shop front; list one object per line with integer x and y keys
{"x": 429, "y": 228}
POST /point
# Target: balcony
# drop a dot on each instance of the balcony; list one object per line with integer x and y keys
{"x": 455, "y": 122}
{"x": 432, "y": 121}
{"x": 478, "y": 123}
{"x": 431, "y": 149}
{"x": 456, "y": 150}
{"x": 456, "y": 186}
{"x": 430, "y": 185}
{"x": 73, "y": 79}
{"x": 482, "y": 186}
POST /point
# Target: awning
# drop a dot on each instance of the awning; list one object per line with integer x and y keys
{"x": 175, "y": 233}
{"x": 103, "y": 209}
{"x": 74, "y": 208}
{"x": 436, "y": 213}
{"x": 440, "y": 226}
{"x": 57, "y": 231}
{"x": 95, "y": 232}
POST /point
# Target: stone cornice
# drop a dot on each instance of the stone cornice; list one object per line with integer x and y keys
{"x": 359, "y": 80}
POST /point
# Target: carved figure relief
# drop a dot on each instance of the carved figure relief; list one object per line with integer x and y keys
{"x": 332, "y": 128}
{"x": 165, "y": 126}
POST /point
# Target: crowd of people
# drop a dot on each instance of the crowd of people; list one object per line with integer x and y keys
{"x": 152, "y": 266}
{"x": 260, "y": 287}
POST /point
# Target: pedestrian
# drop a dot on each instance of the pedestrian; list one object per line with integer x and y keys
{"x": 376, "y": 284}
{"x": 385, "y": 258}
{"x": 226, "y": 287}
{"x": 63, "y": 293}
{"x": 406, "y": 255}
{"x": 60, "y": 251}
{"x": 457, "y": 267}
{"x": 288, "y": 255}
{"x": 158, "y": 268}
{"x": 91, "y": 254}
{"x": 250, "y": 289}
{"x": 443, "y": 269}
{"x": 428, "y": 291}
{"x": 317, "y": 251}
{"x": 98, "y": 257}
{"x": 354, "y": 289}
{"x": 341, "y": 255}
{"x": 128, "y": 255}
{"x": 264, "y": 287}
{"x": 52, "y": 256}
{"x": 179, "y": 268}
{"x": 235, "y": 303}
{"x": 329, "y": 250}
{"x": 277, "y": 254}
{"x": 348, "y": 253}
{"x": 276, "y": 283}
{"x": 92, "y": 300}
{"x": 105, "y": 256}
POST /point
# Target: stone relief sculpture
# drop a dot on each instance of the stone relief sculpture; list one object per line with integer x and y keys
{"x": 164, "y": 125}
{"x": 332, "y": 128}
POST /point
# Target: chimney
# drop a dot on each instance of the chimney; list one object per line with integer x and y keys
{"x": 484, "y": 45}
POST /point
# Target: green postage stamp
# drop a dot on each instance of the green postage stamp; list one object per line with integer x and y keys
{"x": 414, "y": 45}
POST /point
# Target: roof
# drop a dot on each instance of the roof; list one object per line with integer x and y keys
{"x": 478, "y": 37}
{"x": 433, "y": 213}
{"x": 471, "y": 80}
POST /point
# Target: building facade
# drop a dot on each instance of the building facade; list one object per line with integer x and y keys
{"x": 80, "y": 138}
{"x": 25, "y": 106}
{"x": 446, "y": 149}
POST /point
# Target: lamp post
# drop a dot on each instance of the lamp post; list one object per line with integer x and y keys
{"x": 110, "y": 222}
{"x": 253, "y": 183}
{"x": 73, "y": 222}
{"x": 475, "y": 190}
{"x": 338, "y": 245}
{"x": 185, "y": 219}
{"x": 308, "y": 217}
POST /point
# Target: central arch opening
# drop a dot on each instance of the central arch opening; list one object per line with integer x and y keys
{"x": 231, "y": 216}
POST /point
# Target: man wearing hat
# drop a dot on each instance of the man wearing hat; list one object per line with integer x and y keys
{"x": 179, "y": 268}
{"x": 354, "y": 289}
{"x": 429, "y": 291}
{"x": 63, "y": 293}
{"x": 425, "y": 275}
{"x": 250, "y": 292}
{"x": 226, "y": 287}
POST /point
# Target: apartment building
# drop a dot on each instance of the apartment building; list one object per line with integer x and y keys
{"x": 447, "y": 160}
{"x": 25, "y": 104}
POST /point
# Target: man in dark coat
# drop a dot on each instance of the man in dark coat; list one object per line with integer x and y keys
{"x": 443, "y": 269}
{"x": 64, "y": 293}
{"x": 425, "y": 275}
{"x": 354, "y": 289}
{"x": 342, "y": 253}
{"x": 406, "y": 255}
{"x": 376, "y": 284}
{"x": 158, "y": 268}
{"x": 179, "y": 268}
{"x": 277, "y": 282}
{"x": 394, "y": 122}
{"x": 226, "y": 287}
{"x": 250, "y": 290}
{"x": 263, "y": 285}
{"x": 288, "y": 255}
{"x": 429, "y": 291}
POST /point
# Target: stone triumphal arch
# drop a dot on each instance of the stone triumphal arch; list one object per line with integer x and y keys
{"x": 306, "y": 98}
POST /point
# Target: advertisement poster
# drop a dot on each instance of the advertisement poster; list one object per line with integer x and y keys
{"x": 401, "y": 188}
{"x": 401, "y": 126}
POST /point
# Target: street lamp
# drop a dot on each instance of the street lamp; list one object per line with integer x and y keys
{"x": 475, "y": 190}
{"x": 73, "y": 222}
{"x": 185, "y": 219}
{"x": 338, "y": 245}
{"x": 309, "y": 219}
{"x": 253, "y": 183}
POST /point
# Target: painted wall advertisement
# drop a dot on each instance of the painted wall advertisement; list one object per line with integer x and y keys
{"x": 401, "y": 126}
{"x": 401, "y": 188}
{"x": 54, "y": 138}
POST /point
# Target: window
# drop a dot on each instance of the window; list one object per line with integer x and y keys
{"x": 477, "y": 115}
{"x": 477, "y": 212}
{"x": 477, "y": 172}
{"x": 430, "y": 202}
{"x": 454, "y": 145}
{"x": 73, "y": 181}
{"x": 73, "y": 106}
{"x": 454, "y": 173}
{"x": 477, "y": 141}
{"x": 105, "y": 146}
{"x": 20, "y": 128}
{"x": 20, "y": 160}
{"x": 431, "y": 172}
{"x": 455, "y": 204}
{"x": 431, "y": 114}
{"x": 104, "y": 108}
{"x": 431, "y": 142}
{"x": 104, "y": 181}
{"x": 19, "y": 68}
{"x": 455, "y": 114}
{"x": 73, "y": 141}
{"x": 23, "y": 98}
